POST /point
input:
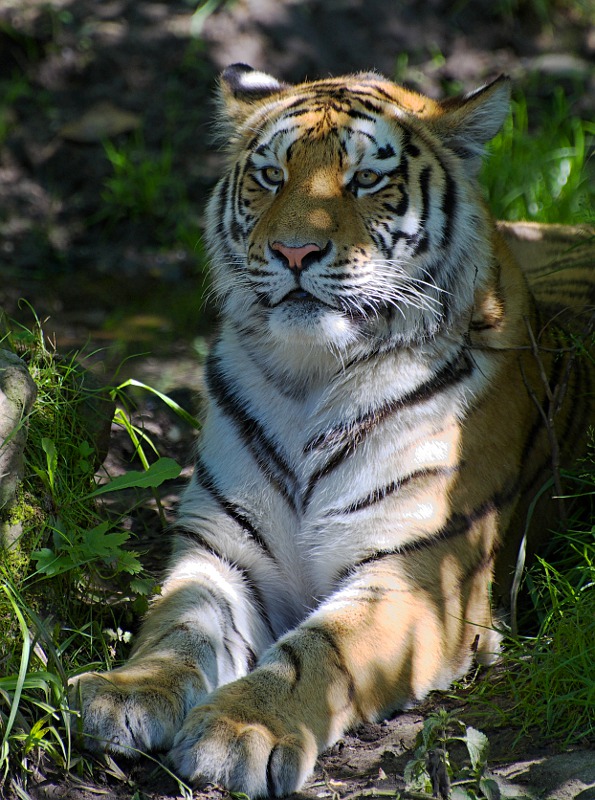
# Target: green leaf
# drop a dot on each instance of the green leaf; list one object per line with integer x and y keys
{"x": 48, "y": 563}
{"x": 51, "y": 457}
{"x": 175, "y": 407}
{"x": 33, "y": 680}
{"x": 98, "y": 543}
{"x": 128, "y": 561}
{"x": 142, "y": 586}
{"x": 22, "y": 674}
{"x": 164, "y": 469}
{"x": 477, "y": 745}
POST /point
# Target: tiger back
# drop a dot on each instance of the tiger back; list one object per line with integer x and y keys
{"x": 382, "y": 401}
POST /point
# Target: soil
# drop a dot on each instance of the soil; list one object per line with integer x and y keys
{"x": 116, "y": 284}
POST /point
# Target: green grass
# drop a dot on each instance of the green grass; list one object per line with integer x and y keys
{"x": 71, "y": 585}
{"x": 145, "y": 187}
{"x": 544, "y": 686}
{"x": 542, "y": 173}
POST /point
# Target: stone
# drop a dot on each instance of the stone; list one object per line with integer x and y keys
{"x": 17, "y": 395}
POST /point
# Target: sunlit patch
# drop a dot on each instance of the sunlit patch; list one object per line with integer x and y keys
{"x": 319, "y": 218}
{"x": 422, "y": 512}
{"x": 321, "y": 184}
{"x": 432, "y": 452}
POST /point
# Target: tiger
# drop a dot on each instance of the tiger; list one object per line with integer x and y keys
{"x": 378, "y": 420}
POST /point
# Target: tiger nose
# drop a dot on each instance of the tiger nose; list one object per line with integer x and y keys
{"x": 295, "y": 255}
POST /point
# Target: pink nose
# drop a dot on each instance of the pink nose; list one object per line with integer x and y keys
{"x": 295, "y": 255}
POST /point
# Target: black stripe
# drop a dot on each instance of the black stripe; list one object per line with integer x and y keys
{"x": 367, "y": 104}
{"x": 237, "y": 211}
{"x": 573, "y": 286}
{"x": 401, "y": 208}
{"x": 206, "y": 480}
{"x": 235, "y": 229}
{"x": 250, "y": 582}
{"x": 378, "y": 495}
{"x": 271, "y": 783}
{"x": 292, "y": 655}
{"x": 355, "y": 114}
{"x": 328, "y": 638}
{"x": 420, "y": 241}
{"x": 378, "y": 90}
{"x": 349, "y": 436}
{"x": 409, "y": 148}
{"x": 387, "y": 151}
{"x": 449, "y": 206}
{"x": 451, "y": 373}
{"x": 457, "y": 525}
{"x": 252, "y": 433}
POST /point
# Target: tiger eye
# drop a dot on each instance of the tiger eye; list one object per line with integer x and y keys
{"x": 366, "y": 178}
{"x": 273, "y": 175}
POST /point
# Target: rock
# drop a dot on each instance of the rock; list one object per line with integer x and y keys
{"x": 17, "y": 395}
{"x": 564, "y": 776}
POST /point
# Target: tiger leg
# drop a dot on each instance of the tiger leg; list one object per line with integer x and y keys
{"x": 202, "y": 632}
{"x": 375, "y": 645}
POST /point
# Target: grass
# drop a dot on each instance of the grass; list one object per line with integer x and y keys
{"x": 145, "y": 187}
{"x": 71, "y": 584}
{"x": 544, "y": 686}
{"x": 542, "y": 174}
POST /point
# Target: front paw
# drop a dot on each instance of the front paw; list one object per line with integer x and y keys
{"x": 136, "y": 708}
{"x": 246, "y": 741}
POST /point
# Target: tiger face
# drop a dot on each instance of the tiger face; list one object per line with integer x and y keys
{"x": 349, "y": 211}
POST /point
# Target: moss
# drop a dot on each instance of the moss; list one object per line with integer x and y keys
{"x": 25, "y": 519}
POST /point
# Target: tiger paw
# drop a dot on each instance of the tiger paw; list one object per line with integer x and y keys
{"x": 137, "y": 708}
{"x": 245, "y": 743}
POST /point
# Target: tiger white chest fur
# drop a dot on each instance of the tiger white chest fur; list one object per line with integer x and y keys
{"x": 351, "y": 459}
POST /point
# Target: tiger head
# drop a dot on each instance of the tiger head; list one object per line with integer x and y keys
{"x": 349, "y": 210}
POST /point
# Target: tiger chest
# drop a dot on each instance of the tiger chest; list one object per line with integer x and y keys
{"x": 354, "y": 464}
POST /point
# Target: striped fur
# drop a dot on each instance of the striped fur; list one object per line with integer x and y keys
{"x": 372, "y": 434}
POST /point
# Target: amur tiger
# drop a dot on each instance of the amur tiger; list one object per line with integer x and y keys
{"x": 379, "y": 412}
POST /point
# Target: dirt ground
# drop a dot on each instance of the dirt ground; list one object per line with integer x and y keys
{"x": 128, "y": 285}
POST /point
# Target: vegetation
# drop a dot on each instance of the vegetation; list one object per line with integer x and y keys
{"x": 542, "y": 174}
{"x": 72, "y": 583}
{"x": 433, "y": 768}
{"x": 546, "y": 682}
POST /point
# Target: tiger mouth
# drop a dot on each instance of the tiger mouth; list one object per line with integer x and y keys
{"x": 302, "y": 296}
{"x": 299, "y": 294}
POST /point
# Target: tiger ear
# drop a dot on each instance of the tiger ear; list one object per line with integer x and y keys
{"x": 467, "y": 123}
{"x": 241, "y": 88}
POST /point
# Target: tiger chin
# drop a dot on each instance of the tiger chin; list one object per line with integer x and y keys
{"x": 373, "y": 432}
